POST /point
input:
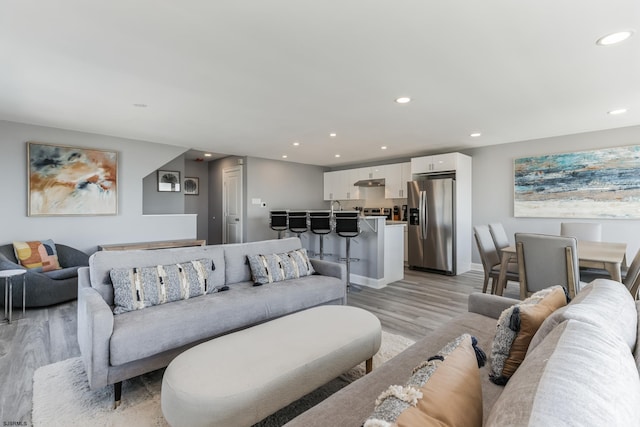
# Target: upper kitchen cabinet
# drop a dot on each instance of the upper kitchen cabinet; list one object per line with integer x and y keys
{"x": 396, "y": 177}
{"x": 437, "y": 163}
{"x": 338, "y": 185}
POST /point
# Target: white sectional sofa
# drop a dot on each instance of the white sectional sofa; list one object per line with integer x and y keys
{"x": 581, "y": 368}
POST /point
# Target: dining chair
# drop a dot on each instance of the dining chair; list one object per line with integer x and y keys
{"x": 546, "y": 260}
{"x": 590, "y": 231}
{"x": 630, "y": 275}
{"x": 491, "y": 259}
{"x": 499, "y": 236}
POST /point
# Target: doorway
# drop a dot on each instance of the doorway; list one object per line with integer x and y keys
{"x": 232, "y": 197}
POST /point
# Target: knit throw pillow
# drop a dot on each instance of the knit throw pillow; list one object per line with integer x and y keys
{"x": 278, "y": 267}
{"x": 516, "y": 327}
{"x": 37, "y": 255}
{"x": 140, "y": 287}
{"x": 444, "y": 390}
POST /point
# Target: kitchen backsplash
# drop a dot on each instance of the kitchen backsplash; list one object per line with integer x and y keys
{"x": 372, "y": 198}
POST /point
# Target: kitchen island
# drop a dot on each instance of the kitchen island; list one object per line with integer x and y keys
{"x": 379, "y": 250}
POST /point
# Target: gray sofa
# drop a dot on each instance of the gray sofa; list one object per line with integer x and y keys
{"x": 118, "y": 347}
{"x": 581, "y": 368}
{"x": 48, "y": 288}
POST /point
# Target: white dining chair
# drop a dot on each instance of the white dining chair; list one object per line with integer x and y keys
{"x": 547, "y": 260}
{"x": 590, "y": 231}
{"x": 491, "y": 259}
{"x": 499, "y": 236}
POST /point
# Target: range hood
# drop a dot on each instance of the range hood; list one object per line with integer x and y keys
{"x": 376, "y": 182}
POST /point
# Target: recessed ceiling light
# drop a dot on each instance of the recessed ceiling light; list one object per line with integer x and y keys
{"x": 332, "y": 135}
{"x": 617, "y": 111}
{"x": 384, "y": 147}
{"x": 337, "y": 155}
{"x": 207, "y": 154}
{"x": 284, "y": 156}
{"x": 403, "y": 100}
{"x": 140, "y": 105}
{"x": 296, "y": 143}
{"x": 475, "y": 135}
{"x": 614, "y": 38}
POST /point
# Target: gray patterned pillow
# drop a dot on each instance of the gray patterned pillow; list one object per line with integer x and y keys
{"x": 139, "y": 287}
{"x": 278, "y": 267}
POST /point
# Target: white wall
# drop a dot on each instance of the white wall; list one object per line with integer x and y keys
{"x": 493, "y": 184}
{"x": 281, "y": 185}
{"x": 136, "y": 159}
{"x": 198, "y": 204}
{"x": 156, "y": 202}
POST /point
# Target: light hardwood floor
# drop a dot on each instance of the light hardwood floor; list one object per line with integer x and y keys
{"x": 411, "y": 308}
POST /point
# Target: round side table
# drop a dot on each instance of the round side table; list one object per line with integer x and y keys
{"x": 8, "y": 291}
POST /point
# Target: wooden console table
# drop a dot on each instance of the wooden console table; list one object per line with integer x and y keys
{"x": 153, "y": 245}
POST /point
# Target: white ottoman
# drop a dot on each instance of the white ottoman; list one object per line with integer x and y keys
{"x": 241, "y": 378}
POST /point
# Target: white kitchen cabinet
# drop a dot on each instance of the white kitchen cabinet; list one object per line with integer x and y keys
{"x": 338, "y": 185}
{"x": 396, "y": 178}
{"x": 436, "y": 163}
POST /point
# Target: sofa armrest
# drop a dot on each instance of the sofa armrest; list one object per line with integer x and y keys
{"x": 489, "y": 305}
{"x": 7, "y": 264}
{"x": 329, "y": 268}
{"x": 95, "y": 326}
{"x": 71, "y": 257}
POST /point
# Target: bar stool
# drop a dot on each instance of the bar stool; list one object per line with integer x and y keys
{"x": 320, "y": 224}
{"x": 298, "y": 222}
{"x": 347, "y": 226}
{"x": 278, "y": 222}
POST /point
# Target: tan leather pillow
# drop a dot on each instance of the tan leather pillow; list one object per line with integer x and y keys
{"x": 438, "y": 393}
{"x": 516, "y": 327}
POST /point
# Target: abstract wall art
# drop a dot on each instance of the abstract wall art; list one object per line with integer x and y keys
{"x": 192, "y": 186}
{"x": 601, "y": 183}
{"x": 169, "y": 181}
{"x": 63, "y": 180}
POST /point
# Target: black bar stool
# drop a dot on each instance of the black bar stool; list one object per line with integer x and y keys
{"x": 320, "y": 224}
{"x": 278, "y": 222}
{"x": 347, "y": 226}
{"x": 298, "y": 222}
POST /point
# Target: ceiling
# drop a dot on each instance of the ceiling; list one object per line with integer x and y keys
{"x": 253, "y": 77}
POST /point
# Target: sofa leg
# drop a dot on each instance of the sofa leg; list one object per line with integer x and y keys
{"x": 117, "y": 394}
{"x": 369, "y": 365}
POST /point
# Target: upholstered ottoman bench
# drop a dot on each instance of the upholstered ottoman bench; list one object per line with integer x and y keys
{"x": 241, "y": 378}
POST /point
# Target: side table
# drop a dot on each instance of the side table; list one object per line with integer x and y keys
{"x": 8, "y": 291}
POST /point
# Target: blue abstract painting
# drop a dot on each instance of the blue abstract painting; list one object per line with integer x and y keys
{"x": 586, "y": 184}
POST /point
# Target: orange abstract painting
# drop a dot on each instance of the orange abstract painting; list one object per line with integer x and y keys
{"x": 71, "y": 181}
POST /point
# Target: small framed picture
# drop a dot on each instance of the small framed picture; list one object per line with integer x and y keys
{"x": 169, "y": 181}
{"x": 191, "y": 185}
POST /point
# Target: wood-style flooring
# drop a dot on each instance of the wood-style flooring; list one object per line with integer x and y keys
{"x": 411, "y": 308}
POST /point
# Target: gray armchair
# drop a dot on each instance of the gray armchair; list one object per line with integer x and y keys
{"x": 44, "y": 289}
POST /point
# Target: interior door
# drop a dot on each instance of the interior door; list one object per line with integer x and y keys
{"x": 232, "y": 205}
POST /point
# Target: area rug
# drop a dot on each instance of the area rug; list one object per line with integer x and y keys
{"x": 61, "y": 394}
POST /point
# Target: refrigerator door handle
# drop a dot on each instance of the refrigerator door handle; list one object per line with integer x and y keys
{"x": 423, "y": 215}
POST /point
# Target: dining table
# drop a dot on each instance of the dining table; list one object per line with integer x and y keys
{"x": 609, "y": 256}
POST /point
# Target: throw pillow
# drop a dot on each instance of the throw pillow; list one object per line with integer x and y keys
{"x": 37, "y": 255}
{"x": 278, "y": 267}
{"x": 516, "y": 327}
{"x": 444, "y": 390}
{"x": 140, "y": 287}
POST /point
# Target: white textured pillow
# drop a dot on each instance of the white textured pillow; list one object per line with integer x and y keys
{"x": 139, "y": 287}
{"x": 278, "y": 267}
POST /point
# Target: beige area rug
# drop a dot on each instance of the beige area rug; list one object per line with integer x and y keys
{"x": 61, "y": 394}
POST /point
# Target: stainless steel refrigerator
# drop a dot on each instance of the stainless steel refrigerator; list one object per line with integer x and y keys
{"x": 431, "y": 223}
